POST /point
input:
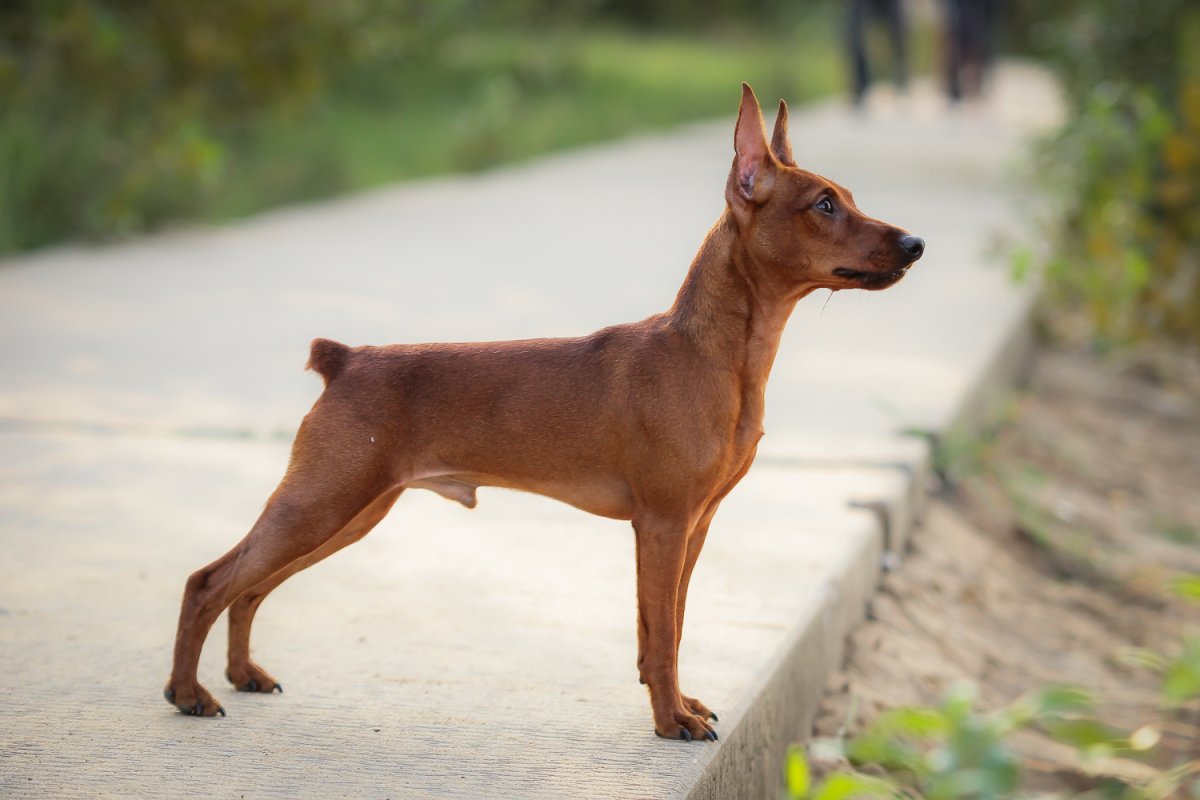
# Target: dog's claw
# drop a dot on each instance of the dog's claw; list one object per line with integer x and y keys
{"x": 685, "y": 734}
{"x": 221, "y": 710}
{"x": 712, "y": 715}
{"x": 710, "y": 735}
{"x": 252, "y": 686}
{"x": 170, "y": 695}
{"x": 278, "y": 688}
{"x": 197, "y": 709}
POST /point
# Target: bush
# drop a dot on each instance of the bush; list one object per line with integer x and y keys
{"x": 953, "y": 750}
{"x": 116, "y": 111}
{"x": 120, "y": 116}
{"x": 1124, "y": 172}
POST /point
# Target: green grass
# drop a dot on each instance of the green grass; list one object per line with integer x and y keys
{"x": 491, "y": 99}
{"x": 97, "y": 164}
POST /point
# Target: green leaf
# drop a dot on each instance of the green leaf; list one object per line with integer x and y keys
{"x": 1051, "y": 701}
{"x": 1137, "y": 270}
{"x": 1085, "y": 734}
{"x": 887, "y": 752}
{"x": 1182, "y": 679}
{"x": 958, "y": 704}
{"x": 1187, "y": 587}
{"x": 1022, "y": 264}
{"x": 843, "y": 785}
{"x": 889, "y": 739}
{"x": 798, "y": 775}
{"x": 995, "y": 782}
{"x": 914, "y": 722}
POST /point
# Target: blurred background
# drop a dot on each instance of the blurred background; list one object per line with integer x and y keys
{"x": 138, "y": 379}
{"x": 121, "y": 116}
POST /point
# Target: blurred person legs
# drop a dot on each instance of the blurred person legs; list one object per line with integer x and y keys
{"x": 890, "y": 13}
{"x": 969, "y": 51}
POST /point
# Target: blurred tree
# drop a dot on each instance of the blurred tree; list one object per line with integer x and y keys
{"x": 121, "y": 115}
{"x": 1125, "y": 169}
{"x": 111, "y": 107}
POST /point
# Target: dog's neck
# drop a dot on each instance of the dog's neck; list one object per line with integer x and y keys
{"x": 733, "y": 309}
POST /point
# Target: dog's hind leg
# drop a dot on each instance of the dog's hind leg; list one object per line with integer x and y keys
{"x": 242, "y": 672}
{"x": 336, "y": 472}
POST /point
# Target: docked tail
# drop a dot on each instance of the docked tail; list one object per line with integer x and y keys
{"x": 328, "y": 358}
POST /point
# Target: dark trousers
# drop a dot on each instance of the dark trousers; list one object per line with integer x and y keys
{"x": 969, "y": 25}
{"x": 891, "y": 13}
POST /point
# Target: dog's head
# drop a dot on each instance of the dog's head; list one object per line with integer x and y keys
{"x": 802, "y": 225}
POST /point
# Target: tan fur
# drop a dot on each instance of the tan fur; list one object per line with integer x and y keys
{"x": 652, "y": 422}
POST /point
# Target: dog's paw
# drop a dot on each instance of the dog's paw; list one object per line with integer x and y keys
{"x": 686, "y": 726}
{"x": 252, "y": 678}
{"x": 194, "y": 700}
{"x": 699, "y": 709}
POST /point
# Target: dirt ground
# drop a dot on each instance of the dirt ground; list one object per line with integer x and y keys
{"x": 1045, "y": 556}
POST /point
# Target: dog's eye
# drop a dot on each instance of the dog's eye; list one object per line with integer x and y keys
{"x": 825, "y": 206}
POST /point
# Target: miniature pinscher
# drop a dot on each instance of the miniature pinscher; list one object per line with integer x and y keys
{"x": 652, "y": 422}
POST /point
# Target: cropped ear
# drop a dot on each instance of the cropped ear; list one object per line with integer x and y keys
{"x": 780, "y": 146}
{"x": 750, "y": 145}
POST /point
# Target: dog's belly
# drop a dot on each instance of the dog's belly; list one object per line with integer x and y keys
{"x": 604, "y": 497}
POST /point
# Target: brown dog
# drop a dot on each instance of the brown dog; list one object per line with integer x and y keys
{"x": 652, "y": 422}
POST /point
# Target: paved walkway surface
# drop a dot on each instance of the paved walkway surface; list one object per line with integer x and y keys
{"x": 148, "y": 392}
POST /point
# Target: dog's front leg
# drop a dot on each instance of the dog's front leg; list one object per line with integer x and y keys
{"x": 661, "y": 543}
{"x": 695, "y": 544}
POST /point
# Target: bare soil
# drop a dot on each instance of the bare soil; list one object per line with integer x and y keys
{"x": 1046, "y": 556}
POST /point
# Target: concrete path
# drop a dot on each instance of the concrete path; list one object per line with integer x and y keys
{"x": 148, "y": 392}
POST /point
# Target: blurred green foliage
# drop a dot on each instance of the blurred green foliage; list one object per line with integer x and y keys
{"x": 119, "y": 116}
{"x": 1123, "y": 174}
{"x": 953, "y": 750}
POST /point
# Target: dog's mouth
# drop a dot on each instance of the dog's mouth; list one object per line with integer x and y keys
{"x": 871, "y": 279}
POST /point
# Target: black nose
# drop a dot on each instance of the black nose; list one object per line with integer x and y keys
{"x": 913, "y": 245}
